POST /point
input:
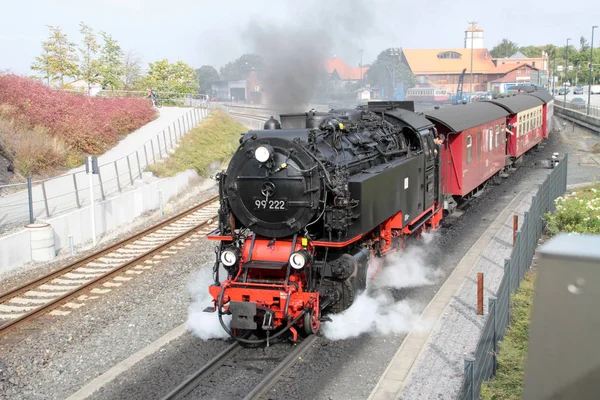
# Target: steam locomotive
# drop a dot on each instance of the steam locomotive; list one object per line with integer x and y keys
{"x": 307, "y": 202}
{"x": 311, "y": 204}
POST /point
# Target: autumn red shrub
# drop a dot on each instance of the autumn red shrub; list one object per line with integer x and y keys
{"x": 86, "y": 124}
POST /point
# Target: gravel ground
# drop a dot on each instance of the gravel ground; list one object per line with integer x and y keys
{"x": 76, "y": 349}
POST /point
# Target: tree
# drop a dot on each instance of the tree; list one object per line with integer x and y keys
{"x": 178, "y": 77}
{"x": 132, "y": 69}
{"x": 90, "y": 65}
{"x": 206, "y": 74}
{"x": 112, "y": 68}
{"x": 584, "y": 45}
{"x": 531, "y": 51}
{"x": 506, "y": 48}
{"x": 388, "y": 68}
{"x": 239, "y": 68}
{"x": 59, "y": 58}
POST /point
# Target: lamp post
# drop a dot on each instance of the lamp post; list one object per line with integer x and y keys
{"x": 566, "y": 70}
{"x": 591, "y": 70}
{"x": 471, "y": 85}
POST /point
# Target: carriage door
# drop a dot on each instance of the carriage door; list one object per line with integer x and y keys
{"x": 431, "y": 184}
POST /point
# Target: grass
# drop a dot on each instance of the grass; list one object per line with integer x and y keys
{"x": 508, "y": 382}
{"x": 596, "y": 148}
{"x": 213, "y": 141}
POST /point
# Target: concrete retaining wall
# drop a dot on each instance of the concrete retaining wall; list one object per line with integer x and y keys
{"x": 579, "y": 118}
{"x": 15, "y": 249}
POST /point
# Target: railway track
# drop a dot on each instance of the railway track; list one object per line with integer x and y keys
{"x": 61, "y": 291}
{"x": 195, "y": 379}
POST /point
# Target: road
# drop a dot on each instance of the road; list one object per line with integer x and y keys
{"x": 594, "y": 99}
{"x": 60, "y": 191}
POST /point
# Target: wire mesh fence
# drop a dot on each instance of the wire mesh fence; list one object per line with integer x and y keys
{"x": 25, "y": 202}
{"x": 482, "y": 365}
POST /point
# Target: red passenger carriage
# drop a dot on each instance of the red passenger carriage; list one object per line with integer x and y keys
{"x": 525, "y": 122}
{"x": 474, "y": 145}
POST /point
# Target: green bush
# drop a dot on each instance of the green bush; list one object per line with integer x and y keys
{"x": 577, "y": 212}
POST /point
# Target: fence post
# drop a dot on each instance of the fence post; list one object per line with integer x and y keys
{"x": 129, "y": 168}
{"x": 153, "y": 156}
{"x": 101, "y": 184}
{"x": 118, "y": 180}
{"x": 137, "y": 156}
{"x": 76, "y": 191}
{"x": 30, "y": 198}
{"x": 492, "y": 313}
{"x": 171, "y": 140}
{"x": 507, "y": 264}
{"x": 470, "y": 375}
{"x": 165, "y": 141}
{"x": 480, "y": 293}
{"x": 45, "y": 199}
{"x": 171, "y": 136}
{"x": 515, "y": 228}
{"x": 179, "y": 124}
{"x": 146, "y": 155}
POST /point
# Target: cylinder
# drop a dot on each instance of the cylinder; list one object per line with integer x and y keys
{"x": 42, "y": 242}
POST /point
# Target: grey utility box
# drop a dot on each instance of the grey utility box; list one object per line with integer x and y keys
{"x": 564, "y": 348}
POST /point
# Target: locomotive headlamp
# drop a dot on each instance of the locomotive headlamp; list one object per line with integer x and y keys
{"x": 262, "y": 154}
{"x": 229, "y": 257}
{"x": 298, "y": 259}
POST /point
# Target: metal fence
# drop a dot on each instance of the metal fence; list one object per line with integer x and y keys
{"x": 23, "y": 203}
{"x": 594, "y": 110}
{"x": 482, "y": 366}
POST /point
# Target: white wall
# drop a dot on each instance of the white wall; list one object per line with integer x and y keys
{"x": 15, "y": 249}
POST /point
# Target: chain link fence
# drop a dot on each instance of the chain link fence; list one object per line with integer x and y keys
{"x": 25, "y": 202}
{"x": 482, "y": 366}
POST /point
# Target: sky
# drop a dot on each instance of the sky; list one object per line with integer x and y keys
{"x": 214, "y": 32}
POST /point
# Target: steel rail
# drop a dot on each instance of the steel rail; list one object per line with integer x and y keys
{"x": 79, "y": 263}
{"x": 185, "y": 387}
{"x": 54, "y": 303}
{"x": 270, "y": 380}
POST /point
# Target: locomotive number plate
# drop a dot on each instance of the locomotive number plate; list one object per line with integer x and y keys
{"x": 270, "y": 205}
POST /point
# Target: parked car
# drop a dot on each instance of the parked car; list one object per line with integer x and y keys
{"x": 578, "y": 103}
{"x": 595, "y": 89}
{"x": 578, "y": 90}
{"x": 563, "y": 91}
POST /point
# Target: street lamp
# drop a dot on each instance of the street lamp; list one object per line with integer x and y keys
{"x": 566, "y": 70}
{"x": 471, "y": 85}
{"x": 591, "y": 70}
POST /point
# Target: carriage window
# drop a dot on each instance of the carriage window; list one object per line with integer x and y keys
{"x": 503, "y": 130}
{"x": 469, "y": 149}
{"x": 497, "y": 136}
{"x": 491, "y": 138}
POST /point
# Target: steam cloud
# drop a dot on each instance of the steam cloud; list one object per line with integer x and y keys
{"x": 295, "y": 50}
{"x": 204, "y": 325}
{"x": 375, "y": 311}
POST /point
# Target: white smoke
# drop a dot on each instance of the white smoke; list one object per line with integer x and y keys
{"x": 375, "y": 311}
{"x": 205, "y": 325}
